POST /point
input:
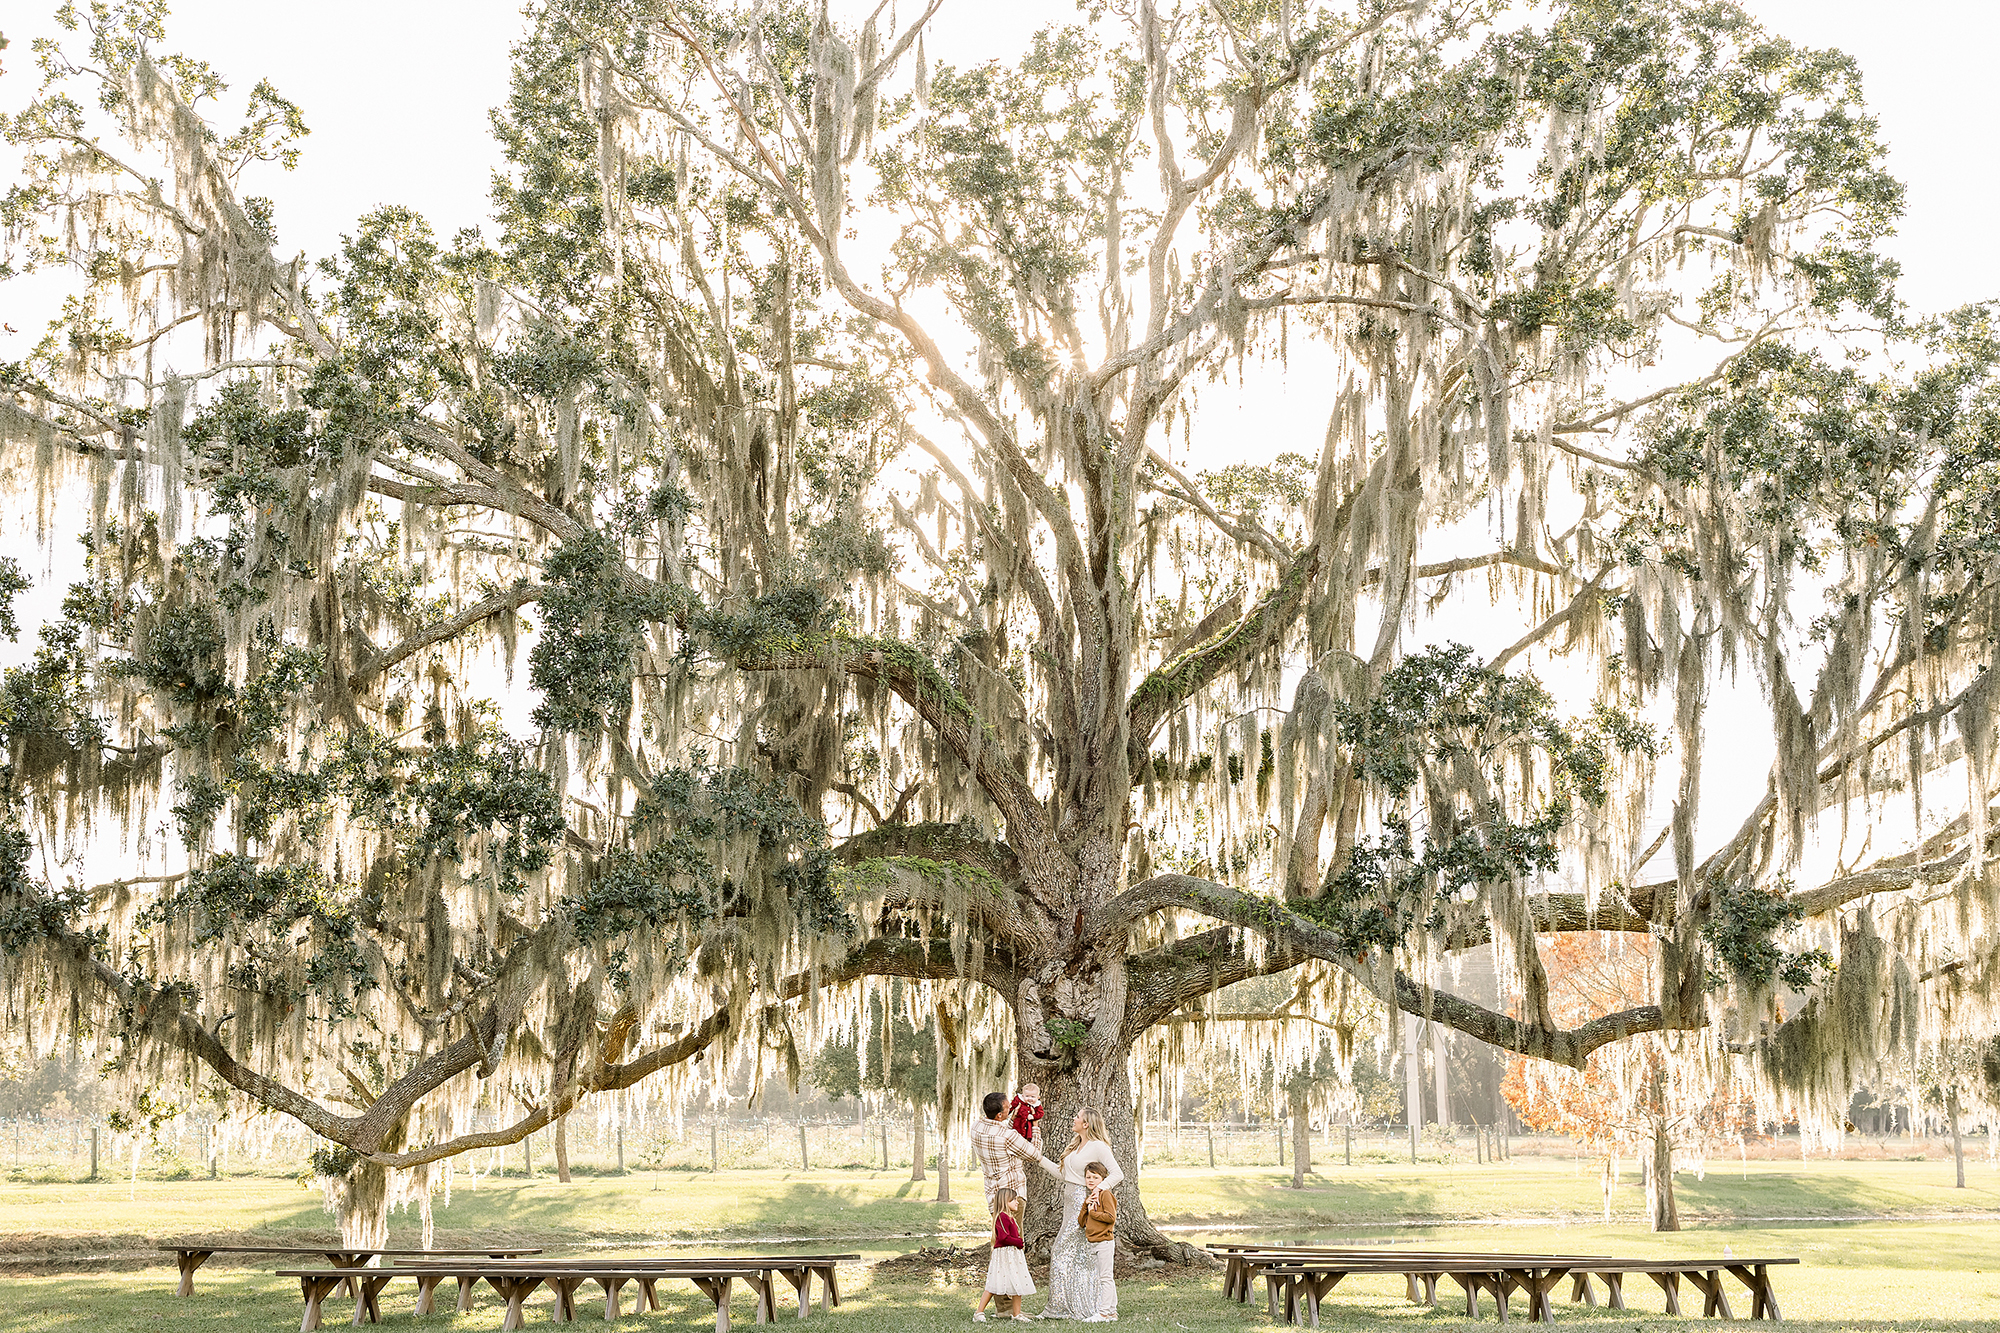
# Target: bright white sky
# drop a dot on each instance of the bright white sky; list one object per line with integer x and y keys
{"x": 397, "y": 95}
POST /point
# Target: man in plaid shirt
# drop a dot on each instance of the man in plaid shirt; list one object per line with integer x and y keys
{"x": 1003, "y": 1154}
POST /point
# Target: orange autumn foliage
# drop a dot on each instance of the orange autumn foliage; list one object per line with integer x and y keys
{"x": 1624, "y": 1092}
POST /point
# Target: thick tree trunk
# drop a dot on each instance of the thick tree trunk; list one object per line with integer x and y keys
{"x": 1660, "y": 1210}
{"x": 1094, "y": 1077}
{"x": 944, "y": 1147}
{"x": 562, "y": 1150}
{"x": 1957, "y": 1142}
{"x": 1301, "y": 1139}
{"x": 360, "y": 1202}
{"x": 947, "y": 1055}
{"x": 359, "y": 1199}
{"x": 916, "y": 1143}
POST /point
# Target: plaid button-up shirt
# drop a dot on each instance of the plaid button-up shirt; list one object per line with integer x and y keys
{"x": 1003, "y": 1156}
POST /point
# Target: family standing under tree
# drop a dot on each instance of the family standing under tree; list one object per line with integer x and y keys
{"x": 1080, "y": 1278}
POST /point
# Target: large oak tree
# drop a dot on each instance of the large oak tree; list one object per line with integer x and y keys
{"x": 852, "y": 437}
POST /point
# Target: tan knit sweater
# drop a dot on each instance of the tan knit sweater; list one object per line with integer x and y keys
{"x": 1097, "y": 1222}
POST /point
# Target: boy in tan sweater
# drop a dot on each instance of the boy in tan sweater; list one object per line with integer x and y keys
{"x": 1099, "y": 1217}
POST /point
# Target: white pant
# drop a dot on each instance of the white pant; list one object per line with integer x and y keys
{"x": 1107, "y": 1289}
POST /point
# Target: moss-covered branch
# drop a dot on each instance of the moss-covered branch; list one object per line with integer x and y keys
{"x": 1297, "y": 938}
{"x": 1172, "y": 683}
{"x": 918, "y": 682}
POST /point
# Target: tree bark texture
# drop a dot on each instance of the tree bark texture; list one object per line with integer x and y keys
{"x": 1301, "y": 1138}
{"x": 1661, "y": 1212}
{"x": 1957, "y": 1140}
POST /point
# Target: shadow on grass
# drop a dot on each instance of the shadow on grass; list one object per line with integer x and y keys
{"x": 242, "y": 1302}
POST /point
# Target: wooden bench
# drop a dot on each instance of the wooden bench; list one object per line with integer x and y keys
{"x": 1296, "y": 1285}
{"x": 1242, "y": 1264}
{"x": 1298, "y": 1277}
{"x": 190, "y": 1255}
{"x": 516, "y": 1280}
{"x": 1705, "y": 1275}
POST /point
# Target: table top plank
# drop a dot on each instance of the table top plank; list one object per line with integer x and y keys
{"x": 335, "y": 1247}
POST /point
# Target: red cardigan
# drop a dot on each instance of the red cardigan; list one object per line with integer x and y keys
{"x": 1007, "y": 1233}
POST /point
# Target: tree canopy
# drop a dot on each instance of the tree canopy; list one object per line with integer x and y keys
{"x": 854, "y": 439}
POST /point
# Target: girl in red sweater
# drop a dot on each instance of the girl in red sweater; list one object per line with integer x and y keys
{"x": 1007, "y": 1270}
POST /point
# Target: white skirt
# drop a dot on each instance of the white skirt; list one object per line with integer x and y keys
{"x": 1007, "y": 1272}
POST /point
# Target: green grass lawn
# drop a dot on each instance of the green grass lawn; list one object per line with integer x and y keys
{"x": 695, "y": 1206}
{"x": 1906, "y": 1275}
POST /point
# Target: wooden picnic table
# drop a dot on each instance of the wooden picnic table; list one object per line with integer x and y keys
{"x": 192, "y": 1254}
{"x": 1242, "y": 1264}
{"x": 1298, "y": 1284}
{"x": 1298, "y": 1278}
{"x": 516, "y": 1280}
{"x": 1704, "y": 1274}
{"x": 798, "y": 1270}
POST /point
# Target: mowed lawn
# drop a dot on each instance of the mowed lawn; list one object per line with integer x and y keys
{"x": 1907, "y": 1275}
{"x": 774, "y": 1205}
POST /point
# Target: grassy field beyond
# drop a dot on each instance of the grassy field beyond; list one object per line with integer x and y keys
{"x": 1933, "y": 1268}
{"x": 695, "y": 1206}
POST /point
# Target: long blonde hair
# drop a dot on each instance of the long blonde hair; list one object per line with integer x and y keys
{"x": 1093, "y": 1131}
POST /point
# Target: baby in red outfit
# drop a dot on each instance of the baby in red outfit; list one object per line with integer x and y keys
{"x": 1025, "y": 1112}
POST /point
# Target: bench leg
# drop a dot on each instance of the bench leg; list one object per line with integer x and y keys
{"x": 1670, "y": 1286}
{"x": 1716, "y": 1302}
{"x": 801, "y": 1280}
{"x": 466, "y": 1286}
{"x": 611, "y": 1286}
{"x": 1412, "y": 1289}
{"x": 1322, "y": 1288}
{"x": 1763, "y": 1300}
{"x": 1614, "y": 1289}
{"x": 516, "y": 1290}
{"x": 367, "y": 1302}
{"x": 427, "y": 1293}
{"x": 829, "y": 1295}
{"x": 347, "y": 1259}
{"x": 315, "y": 1290}
{"x": 1541, "y": 1308}
{"x": 189, "y": 1260}
{"x": 1581, "y": 1290}
{"x": 718, "y": 1291}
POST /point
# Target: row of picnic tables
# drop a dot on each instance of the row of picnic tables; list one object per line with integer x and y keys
{"x": 1298, "y": 1278}
{"x": 515, "y": 1274}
